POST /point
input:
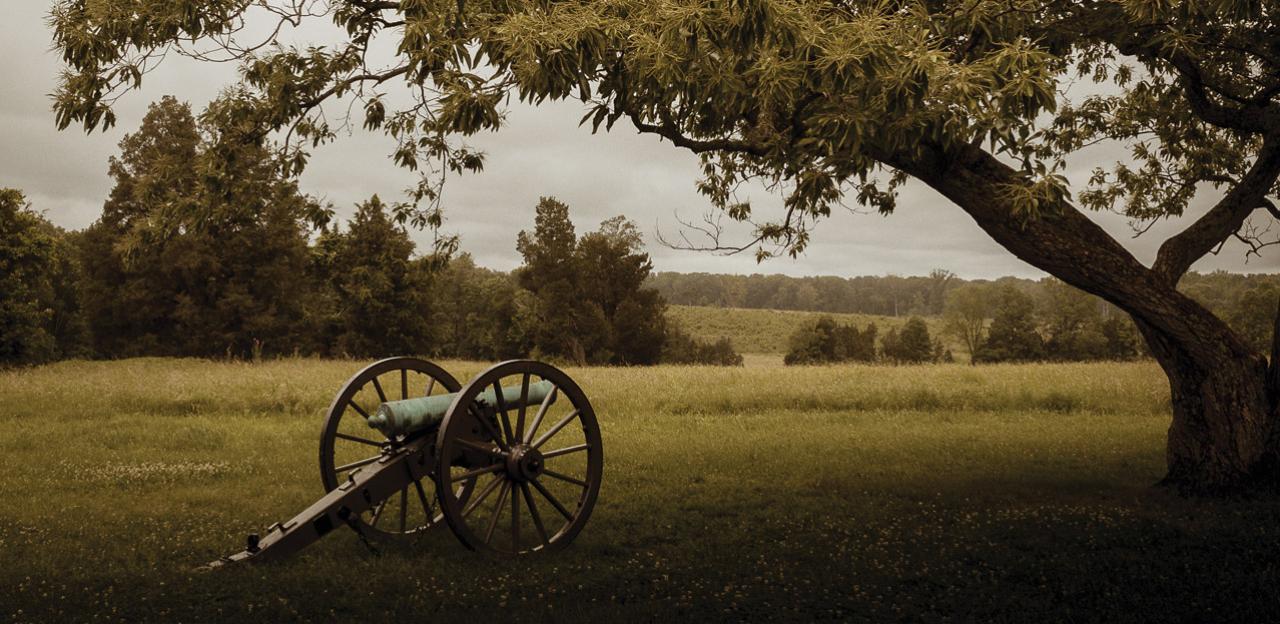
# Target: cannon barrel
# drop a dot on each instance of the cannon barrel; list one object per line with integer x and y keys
{"x": 412, "y": 415}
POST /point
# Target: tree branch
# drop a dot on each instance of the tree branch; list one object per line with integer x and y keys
{"x": 1182, "y": 250}
{"x": 670, "y": 132}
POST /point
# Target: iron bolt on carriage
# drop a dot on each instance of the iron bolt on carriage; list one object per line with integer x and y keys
{"x": 406, "y": 448}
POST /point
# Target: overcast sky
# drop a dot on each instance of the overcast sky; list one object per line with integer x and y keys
{"x": 541, "y": 152}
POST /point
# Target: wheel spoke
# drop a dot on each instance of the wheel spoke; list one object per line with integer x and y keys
{"x": 377, "y": 513}
{"x": 497, "y": 510}
{"x": 552, "y": 499}
{"x": 564, "y": 477}
{"x": 382, "y": 396}
{"x": 501, "y": 403}
{"x": 352, "y": 403}
{"x": 356, "y": 439}
{"x": 426, "y": 507}
{"x": 518, "y": 433}
{"x": 357, "y": 464}
{"x": 404, "y": 506}
{"x": 404, "y": 383}
{"x": 488, "y": 427}
{"x": 475, "y": 502}
{"x": 533, "y": 512}
{"x": 473, "y": 473}
{"x": 431, "y": 386}
{"x": 537, "y": 418}
{"x": 565, "y": 451}
{"x": 515, "y": 521}
{"x": 555, "y": 429}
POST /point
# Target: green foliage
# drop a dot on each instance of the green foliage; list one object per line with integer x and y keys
{"x": 549, "y": 271}
{"x": 40, "y": 318}
{"x": 1076, "y": 329}
{"x": 1012, "y": 336}
{"x": 825, "y": 341}
{"x": 889, "y": 295}
{"x": 377, "y": 294}
{"x": 201, "y": 248}
{"x": 474, "y": 312}
{"x": 788, "y": 91}
{"x": 1253, "y": 315}
{"x": 966, "y": 312}
{"x": 678, "y": 347}
{"x": 588, "y": 302}
{"x": 912, "y": 344}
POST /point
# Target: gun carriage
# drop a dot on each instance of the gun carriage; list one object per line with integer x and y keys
{"x": 405, "y": 448}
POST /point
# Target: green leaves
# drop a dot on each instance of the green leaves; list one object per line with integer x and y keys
{"x": 812, "y": 99}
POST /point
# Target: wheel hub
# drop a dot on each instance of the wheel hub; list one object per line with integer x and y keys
{"x": 525, "y": 463}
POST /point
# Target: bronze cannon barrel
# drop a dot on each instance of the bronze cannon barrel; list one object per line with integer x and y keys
{"x": 410, "y": 415}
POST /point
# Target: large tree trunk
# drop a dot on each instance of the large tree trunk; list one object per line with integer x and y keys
{"x": 1223, "y": 437}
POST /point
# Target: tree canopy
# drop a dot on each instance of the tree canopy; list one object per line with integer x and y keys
{"x": 822, "y": 101}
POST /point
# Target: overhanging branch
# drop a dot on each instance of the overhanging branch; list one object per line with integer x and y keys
{"x": 1226, "y": 217}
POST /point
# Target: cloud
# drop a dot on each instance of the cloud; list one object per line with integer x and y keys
{"x": 542, "y": 152}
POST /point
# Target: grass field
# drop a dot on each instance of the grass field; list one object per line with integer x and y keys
{"x": 1002, "y": 493}
{"x": 766, "y": 331}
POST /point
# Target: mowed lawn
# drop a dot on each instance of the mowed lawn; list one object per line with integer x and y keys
{"x": 857, "y": 493}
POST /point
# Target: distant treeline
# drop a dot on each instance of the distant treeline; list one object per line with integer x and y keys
{"x": 1247, "y": 302}
{"x": 205, "y": 249}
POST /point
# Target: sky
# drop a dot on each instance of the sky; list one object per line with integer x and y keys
{"x": 541, "y": 152}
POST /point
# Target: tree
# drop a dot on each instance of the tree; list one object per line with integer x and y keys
{"x": 380, "y": 304}
{"x": 201, "y": 246}
{"x": 1012, "y": 336}
{"x": 824, "y": 341}
{"x": 549, "y": 272}
{"x": 911, "y": 344}
{"x": 590, "y": 301}
{"x": 1252, "y": 315}
{"x": 678, "y": 347}
{"x": 40, "y": 317}
{"x": 473, "y": 312}
{"x": 824, "y": 100}
{"x": 965, "y": 314}
{"x": 614, "y": 269}
{"x": 130, "y": 293}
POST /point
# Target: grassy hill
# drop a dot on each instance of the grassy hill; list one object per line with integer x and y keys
{"x": 766, "y": 331}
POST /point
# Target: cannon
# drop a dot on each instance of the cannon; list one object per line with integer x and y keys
{"x": 405, "y": 449}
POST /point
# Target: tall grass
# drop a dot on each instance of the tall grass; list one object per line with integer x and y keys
{"x": 767, "y": 331}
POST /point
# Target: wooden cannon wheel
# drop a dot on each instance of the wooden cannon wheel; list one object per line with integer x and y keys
{"x": 538, "y": 466}
{"x": 348, "y": 443}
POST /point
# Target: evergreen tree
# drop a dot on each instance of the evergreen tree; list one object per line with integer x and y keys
{"x": 378, "y": 294}
{"x": 1012, "y": 336}
{"x": 549, "y": 271}
{"x": 588, "y": 298}
{"x": 826, "y": 341}
{"x": 201, "y": 248}
{"x": 614, "y": 270}
{"x": 910, "y": 345}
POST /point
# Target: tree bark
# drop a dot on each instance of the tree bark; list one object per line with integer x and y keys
{"x": 1223, "y": 437}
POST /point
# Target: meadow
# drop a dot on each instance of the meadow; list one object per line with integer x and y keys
{"x": 855, "y": 493}
{"x": 761, "y": 334}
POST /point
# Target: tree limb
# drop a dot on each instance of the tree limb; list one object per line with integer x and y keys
{"x": 1179, "y": 252}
